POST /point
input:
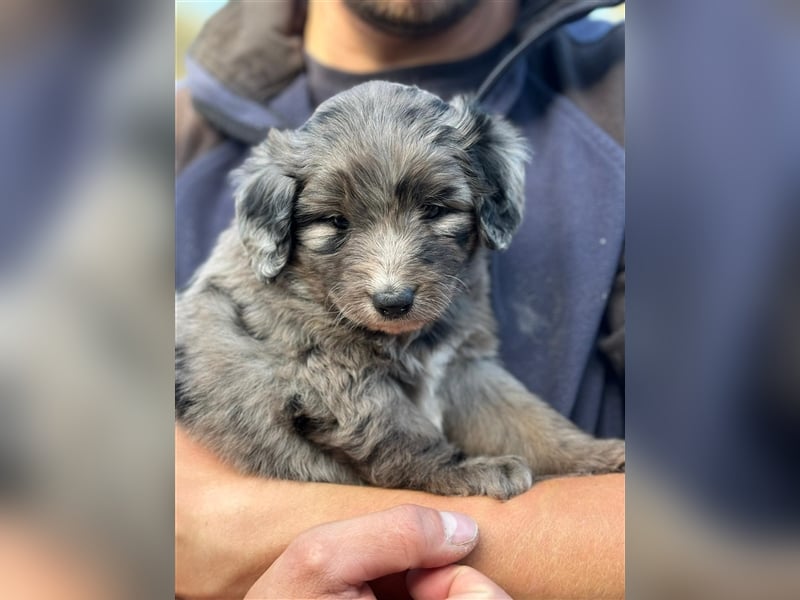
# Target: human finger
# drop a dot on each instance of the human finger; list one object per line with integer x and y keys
{"x": 453, "y": 582}
{"x": 341, "y": 557}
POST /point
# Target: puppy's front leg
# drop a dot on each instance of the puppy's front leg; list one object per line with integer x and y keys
{"x": 389, "y": 443}
{"x": 487, "y": 411}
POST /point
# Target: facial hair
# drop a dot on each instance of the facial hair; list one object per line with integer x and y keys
{"x": 411, "y": 18}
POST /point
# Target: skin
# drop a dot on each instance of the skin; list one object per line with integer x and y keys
{"x": 336, "y": 560}
{"x": 337, "y": 38}
{"x": 565, "y": 538}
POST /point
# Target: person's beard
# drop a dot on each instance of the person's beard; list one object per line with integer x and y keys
{"x": 411, "y": 18}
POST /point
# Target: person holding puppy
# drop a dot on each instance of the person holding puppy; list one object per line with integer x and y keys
{"x": 556, "y": 292}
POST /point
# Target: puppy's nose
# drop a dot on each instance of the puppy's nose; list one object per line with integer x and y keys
{"x": 393, "y": 304}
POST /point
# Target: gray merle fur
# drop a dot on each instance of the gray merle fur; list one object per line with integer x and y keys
{"x": 285, "y": 367}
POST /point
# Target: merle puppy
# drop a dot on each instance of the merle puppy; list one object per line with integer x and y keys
{"x": 341, "y": 330}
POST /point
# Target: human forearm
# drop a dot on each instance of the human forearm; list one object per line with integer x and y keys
{"x": 229, "y": 529}
{"x": 562, "y": 539}
{"x": 565, "y": 538}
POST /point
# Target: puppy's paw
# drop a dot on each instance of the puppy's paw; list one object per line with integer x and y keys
{"x": 501, "y": 477}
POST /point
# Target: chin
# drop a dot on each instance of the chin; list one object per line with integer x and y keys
{"x": 397, "y": 327}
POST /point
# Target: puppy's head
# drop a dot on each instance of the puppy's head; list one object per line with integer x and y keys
{"x": 377, "y": 204}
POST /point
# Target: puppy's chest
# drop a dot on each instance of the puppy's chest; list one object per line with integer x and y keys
{"x": 422, "y": 377}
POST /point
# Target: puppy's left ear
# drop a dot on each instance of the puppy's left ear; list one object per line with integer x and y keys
{"x": 265, "y": 193}
{"x": 496, "y": 156}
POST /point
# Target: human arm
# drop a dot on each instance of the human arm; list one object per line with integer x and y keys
{"x": 565, "y": 538}
{"x": 339, "y": 559}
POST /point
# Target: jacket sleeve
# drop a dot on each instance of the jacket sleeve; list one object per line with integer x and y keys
{"x": 251, "y": 49}
{"x": 194, "y": 135}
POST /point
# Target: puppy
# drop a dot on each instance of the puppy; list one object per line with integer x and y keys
{"x": 341, "y": 330}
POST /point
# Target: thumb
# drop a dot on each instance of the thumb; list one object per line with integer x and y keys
{"x": 455, "y": 582}
{"x": 340, "y": 557}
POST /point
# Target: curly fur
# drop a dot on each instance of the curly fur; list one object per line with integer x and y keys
{"x": 287, "y": 365}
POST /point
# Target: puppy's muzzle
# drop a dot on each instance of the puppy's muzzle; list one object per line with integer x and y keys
{"x": 393, "y": 305}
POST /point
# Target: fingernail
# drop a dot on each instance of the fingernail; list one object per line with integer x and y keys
{"x": 459, "y": 529}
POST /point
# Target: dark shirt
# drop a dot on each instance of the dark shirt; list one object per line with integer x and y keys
{"x": 445, "y": 80}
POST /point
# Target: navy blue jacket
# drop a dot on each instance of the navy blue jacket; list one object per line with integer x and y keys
{"x": 552, "y": 287}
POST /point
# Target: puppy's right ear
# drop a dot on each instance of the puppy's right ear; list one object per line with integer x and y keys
{"x": 265, "y": 193}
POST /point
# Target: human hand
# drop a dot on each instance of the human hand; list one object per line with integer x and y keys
{"x": 230, "y": 528}
{"x": 217, "y": 512}
{"x": 339, "y": 559}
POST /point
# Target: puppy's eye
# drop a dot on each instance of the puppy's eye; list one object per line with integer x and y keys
{"x": 339, "y": 222}
{"x": 434, "y": 211}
